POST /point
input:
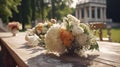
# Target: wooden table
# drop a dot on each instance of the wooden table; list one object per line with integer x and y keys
{"x": 24, "y": 56}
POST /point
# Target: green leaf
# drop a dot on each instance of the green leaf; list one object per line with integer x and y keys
{"x": 94, "y": 47}
{"x": 7, "y": 7}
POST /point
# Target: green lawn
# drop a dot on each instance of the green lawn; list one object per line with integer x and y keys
{"x": 115, "y": 34}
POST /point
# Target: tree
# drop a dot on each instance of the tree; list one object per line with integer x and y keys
{"x": 33, "y": 5}
{"x": 6, "y": 8}
{"x": 57, "y": 10}
{"x": 61, "y": 8}
{"x": 42, "y": 9}
{"x": 26, "y": 14}
{"x": 30, "y": 10}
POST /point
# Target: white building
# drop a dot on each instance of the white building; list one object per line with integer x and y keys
{"x": 92, "y": 11}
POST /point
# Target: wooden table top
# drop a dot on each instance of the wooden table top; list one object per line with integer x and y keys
{"x": 26, "y": 56}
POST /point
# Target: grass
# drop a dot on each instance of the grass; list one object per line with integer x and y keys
{"x": 115, "y": 34}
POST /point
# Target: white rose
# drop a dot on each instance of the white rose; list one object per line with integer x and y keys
{"x": 53, "y": 41}
{"x": 32, "y": 40}
{"x": 77, "y": 30}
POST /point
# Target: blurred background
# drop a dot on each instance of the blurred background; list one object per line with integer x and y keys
{"x": 31, "y": 12}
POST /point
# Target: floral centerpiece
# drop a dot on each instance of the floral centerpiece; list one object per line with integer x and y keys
{"x": 70, "y": 37}
{"x": 36, "y": 35}
{"x": 14, "y": 27}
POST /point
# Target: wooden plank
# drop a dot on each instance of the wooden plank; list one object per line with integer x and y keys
{"x": 6, "y": 59}
{"x": 18, "y": 48}
{"x": 26, "y": 56}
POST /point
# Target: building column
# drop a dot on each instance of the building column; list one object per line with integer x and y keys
{"x": 85, "y": 15}
{"x": 90, "y": 12}
{"x": 96, "y": 14}
{"x": 80, "y": 13}
{"x": 104, "y": 12}
{"x": 101, "y": 13}
{"x": 84, "y": 12}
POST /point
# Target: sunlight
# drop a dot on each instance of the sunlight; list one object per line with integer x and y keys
{"x": 105, "y": 50}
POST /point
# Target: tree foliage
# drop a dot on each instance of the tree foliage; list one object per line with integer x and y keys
{"x": 61, "y": 8}
{"x": 27, "y": 11}
{"x": 6, "y": 8}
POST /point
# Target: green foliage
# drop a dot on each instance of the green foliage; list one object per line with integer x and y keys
{"x": 31, "y": 10}
{"x": 62, "y": 9}
{"x": 6, "y": 8}
{"x": 94, "y": 47}
{"x": 86, "y": 28}
{"x": 25, "y": 12}
{"x": 57, "y": 10}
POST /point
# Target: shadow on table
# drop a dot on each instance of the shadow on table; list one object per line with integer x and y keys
{"x": 32, "y": 49}
{"x": 51, "y": 60}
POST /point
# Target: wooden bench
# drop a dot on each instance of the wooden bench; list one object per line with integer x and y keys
{"x": 15, "y": 52}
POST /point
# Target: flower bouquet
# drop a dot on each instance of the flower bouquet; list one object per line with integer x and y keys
{"x": 71, "y": 37}
{"x": 14, "y": 27}
{"x": 36, "y": 35}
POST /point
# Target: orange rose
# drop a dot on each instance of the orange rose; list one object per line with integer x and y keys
{"x": 39, "y": 27}
{"x": 66, "y": 37}
{"x": 50, "y": 24}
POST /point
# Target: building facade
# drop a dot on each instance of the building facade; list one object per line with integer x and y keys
{"x": 92, "y": 11}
